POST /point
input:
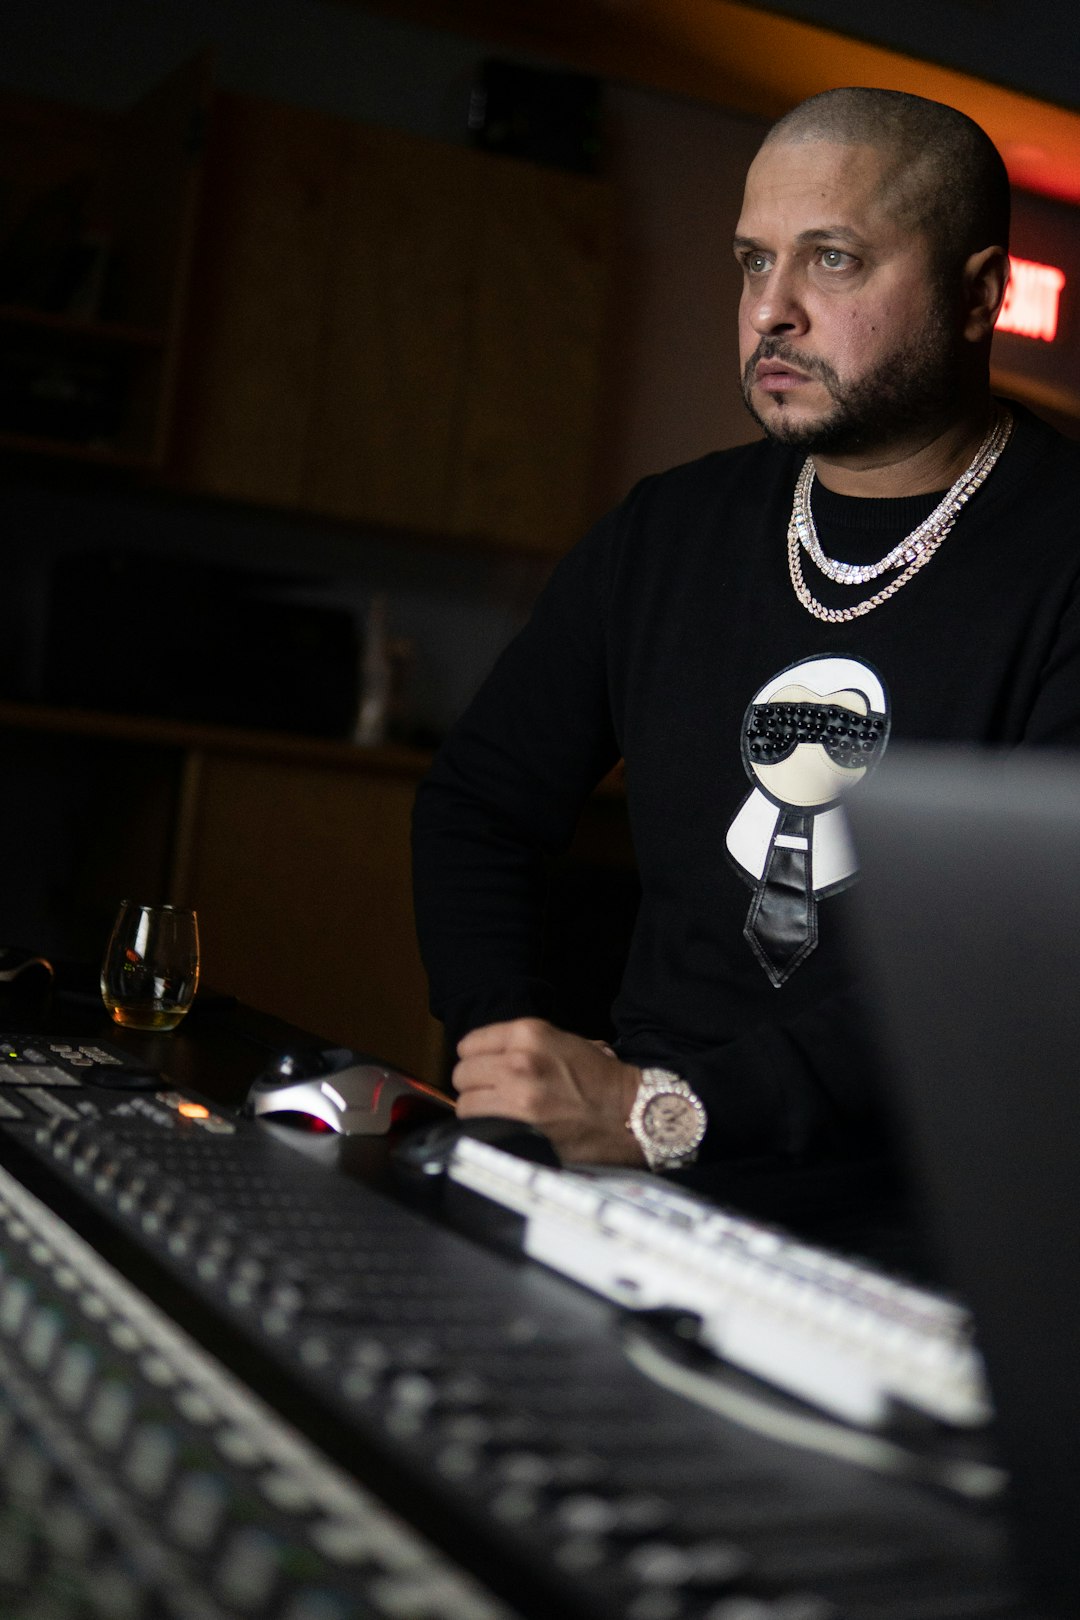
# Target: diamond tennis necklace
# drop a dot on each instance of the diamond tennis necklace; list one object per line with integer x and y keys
{"x": 912, "y": 553}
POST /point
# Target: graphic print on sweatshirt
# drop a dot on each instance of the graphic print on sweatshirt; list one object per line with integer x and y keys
{"x": 809, "y": 735}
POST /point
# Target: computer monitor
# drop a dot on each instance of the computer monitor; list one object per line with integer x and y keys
{"x": 968, "y": 916}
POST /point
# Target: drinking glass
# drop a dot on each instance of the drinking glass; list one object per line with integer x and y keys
{"x": 151, "y": 966}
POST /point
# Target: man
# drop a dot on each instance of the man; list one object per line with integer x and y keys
{"x": 898, "y": 557}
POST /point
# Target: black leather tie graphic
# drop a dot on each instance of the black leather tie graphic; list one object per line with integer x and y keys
{"x": 781, "y": 926}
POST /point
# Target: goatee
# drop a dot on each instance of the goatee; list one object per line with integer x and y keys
{"x": 909, "y": 389}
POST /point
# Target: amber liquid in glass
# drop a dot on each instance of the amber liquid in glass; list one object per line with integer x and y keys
{"x": 144, "y": 1017}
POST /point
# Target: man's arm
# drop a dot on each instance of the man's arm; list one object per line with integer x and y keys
{"x": 505, "y": 795}
{"x": 795, "y": 1090}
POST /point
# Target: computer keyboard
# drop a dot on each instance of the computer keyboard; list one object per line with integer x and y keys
{"x": 831, "y": 1330}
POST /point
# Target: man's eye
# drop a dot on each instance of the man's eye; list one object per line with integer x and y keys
{"x": 834, "y": 258}
{"x": 756, "y": 263}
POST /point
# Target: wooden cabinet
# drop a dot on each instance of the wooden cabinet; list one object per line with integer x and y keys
{"x": 384, "y": 432}
{"x": 300, "y": 871}
{"x": 295, "y": 851}
{"x": 300, "y": 311}
{"x": 392, "y": 331}
{"x": 527, "y": 422}
{"x": 96, "y": 226}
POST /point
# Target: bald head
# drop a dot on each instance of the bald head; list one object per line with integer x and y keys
{"x": 943, "y": 174}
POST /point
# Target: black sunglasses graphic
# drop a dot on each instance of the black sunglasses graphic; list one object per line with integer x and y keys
{"x": 775, "y": 730}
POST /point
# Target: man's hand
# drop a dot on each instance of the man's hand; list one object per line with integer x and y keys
{"x": 575, "y": 1091}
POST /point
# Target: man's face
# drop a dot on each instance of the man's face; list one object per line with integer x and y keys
{"x": 845, "y": 336}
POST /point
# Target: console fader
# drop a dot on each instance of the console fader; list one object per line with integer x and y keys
{"x": 408, "y": 1424}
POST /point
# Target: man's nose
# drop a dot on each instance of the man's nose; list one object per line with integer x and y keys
{"x": 775, "y": 306}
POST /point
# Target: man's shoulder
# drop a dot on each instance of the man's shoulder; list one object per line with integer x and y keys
{"x": 717, "y": 467}
{"x": 1036, "y": 489}
{"x": 1042, "y": 448}
{"x": 754, "y": 469}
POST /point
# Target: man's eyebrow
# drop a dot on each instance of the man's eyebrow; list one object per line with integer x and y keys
{"x": 820, "y": 233}
{"x": 830, "y": 233}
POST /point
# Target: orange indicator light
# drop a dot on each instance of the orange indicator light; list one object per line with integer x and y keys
{"x": 1031, "y": 300}
{"x": 192, "y": 1110}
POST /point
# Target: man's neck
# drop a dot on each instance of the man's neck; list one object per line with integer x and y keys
{"x": 918, "y": 466}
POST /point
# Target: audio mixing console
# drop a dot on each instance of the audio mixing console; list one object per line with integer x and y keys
{"x": 237, "y": 1381}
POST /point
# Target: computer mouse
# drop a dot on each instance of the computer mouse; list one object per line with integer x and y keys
{"x": 362, "y": 1099}
{"x": 301, "y": 1062}
{"x": 427, "y": 1152}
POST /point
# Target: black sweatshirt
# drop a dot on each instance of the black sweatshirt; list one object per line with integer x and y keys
{"x": 652, "y": 640}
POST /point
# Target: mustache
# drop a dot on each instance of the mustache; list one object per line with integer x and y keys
{"x": 776, "y": 349}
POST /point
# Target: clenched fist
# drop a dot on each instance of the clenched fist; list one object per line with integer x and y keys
{"x": 575, "y": 1091}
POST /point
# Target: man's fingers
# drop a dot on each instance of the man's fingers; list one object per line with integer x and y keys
{"x": 493, "y": 1068}
{"x": 525, "y": 1034}
{"x": 501, "y": 1085}
{"x": 479, "y": 1103}
{"x": 505, "y": 1101}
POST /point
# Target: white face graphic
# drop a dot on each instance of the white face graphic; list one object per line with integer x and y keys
{"x": 807, "y": 778}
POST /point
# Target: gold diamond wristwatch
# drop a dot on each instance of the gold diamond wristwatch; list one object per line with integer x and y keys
{"x": 668, "y": 1120}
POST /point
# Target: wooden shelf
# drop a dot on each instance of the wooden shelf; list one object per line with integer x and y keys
{"x": 106, "y": 333}
{"x": 96, "y": 455}
{"x": 390, "y": 759}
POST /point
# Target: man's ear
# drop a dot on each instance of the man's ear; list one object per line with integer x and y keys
{"x": 985, "y": 278}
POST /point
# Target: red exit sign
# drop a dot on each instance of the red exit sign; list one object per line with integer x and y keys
{"x": 1031, "y": 300}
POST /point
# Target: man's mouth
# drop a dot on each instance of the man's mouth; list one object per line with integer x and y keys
{"x": 775, "y": 377}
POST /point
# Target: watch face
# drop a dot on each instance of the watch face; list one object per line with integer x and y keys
{"x": 671, "y": 1122}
